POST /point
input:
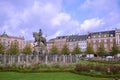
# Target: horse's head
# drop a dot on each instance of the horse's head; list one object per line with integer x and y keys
{"x": 34, "y": 33}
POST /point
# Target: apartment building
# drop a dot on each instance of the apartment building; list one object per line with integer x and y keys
{"x": 50, "y": 44}
{"x": 82, "y": 43}
{"x": 107, "y": 38}
{"x": 117, "y": 36}
{"x": 60, "y": 41}
{"x": 70, "y": 40}
{"x": 7, "y": 40}
{"x": 80, "y": 40}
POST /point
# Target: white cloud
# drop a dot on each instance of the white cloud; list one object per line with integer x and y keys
{"x": 50, "y": 17}
{"x": 47, "y": 15}
{"x": 99, "y": 5}
{"x": 60, "y": 18}
{"x": 58, "y": 33}
{"x": 90, "y": 24}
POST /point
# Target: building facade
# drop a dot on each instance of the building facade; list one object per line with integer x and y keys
{"x": 82, "y": 43}
{"x": 74, "y": 40}
{"x": 50, "y": 44}
{"x": 107, "y": 38}
{"x": 117, "y": 35}
{"x": 70, "y": 40}
{"x": 60, "y": 41}
{"x": 7, "y": 40}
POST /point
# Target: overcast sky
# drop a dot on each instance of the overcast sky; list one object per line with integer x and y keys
{"x": 58, "y": 17}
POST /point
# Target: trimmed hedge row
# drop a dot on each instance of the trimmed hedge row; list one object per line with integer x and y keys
{"x": 109, "y": 69}
{"x": 96, "y": 75}
{"x": 104, "y": 61}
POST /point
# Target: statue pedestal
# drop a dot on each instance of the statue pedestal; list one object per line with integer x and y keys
{"x": 38, "y": 50}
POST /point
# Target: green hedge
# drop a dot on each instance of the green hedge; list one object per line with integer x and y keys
{"x": 109, "y": 69}
{"x": 96, "y": 75}
{"x": 105, "y": 62}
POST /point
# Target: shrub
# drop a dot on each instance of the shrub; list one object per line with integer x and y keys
{"x": 80, "y": 67}
{"x": 114, "y": 69}
{"x": 98, "y": 68}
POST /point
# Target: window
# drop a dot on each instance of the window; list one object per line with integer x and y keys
{"x": 74, "y": 40}
{"x": 5, "y": 42}
{"x": 105, "y": 40}
{"x": 88, "y": 41}
{"x": 105, "y": 45}
{"x": 111, "y": 35}
{"x": 99, "y": 41}
{"x": 99, "y": 36}
{"x": 94, "y": 41}
{"x": 104, "y": 35}
{"x": 111, "y": 40}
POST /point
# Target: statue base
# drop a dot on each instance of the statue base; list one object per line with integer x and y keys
{"x": 39, "y": 50}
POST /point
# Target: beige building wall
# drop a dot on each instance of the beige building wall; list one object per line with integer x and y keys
{"x": 95, "y": 39}
{"x": 72, "y": 45}
{"x": 59, "y": 43}
{"x": 7, "y": 40}
{"x": 49, "y": 46}
{"x": 117, "y": 33}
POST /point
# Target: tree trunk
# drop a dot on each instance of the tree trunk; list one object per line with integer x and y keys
{"x": 27, "y": 62}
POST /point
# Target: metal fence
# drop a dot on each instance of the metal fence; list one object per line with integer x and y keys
{"x": 23, "y": 59}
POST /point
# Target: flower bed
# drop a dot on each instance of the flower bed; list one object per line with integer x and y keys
{"x": 109, "y": 69}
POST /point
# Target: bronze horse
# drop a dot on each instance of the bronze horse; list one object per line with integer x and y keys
{"x": 39, "y": 38}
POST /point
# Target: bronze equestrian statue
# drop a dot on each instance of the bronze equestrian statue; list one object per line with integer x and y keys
{"x": 39, "y": 38}
{"x": 40, "y": 41}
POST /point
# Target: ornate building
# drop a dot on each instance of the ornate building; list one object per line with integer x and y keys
{"x": 80, "y": 40}
{"x": 104, "y": 37}
{"x": 94, "y": 39}
{"x": 7, "y": 40}
{"x": 70, "y": 40}
{"x": 50, "y": 44}
{"x": 60, "y": 41}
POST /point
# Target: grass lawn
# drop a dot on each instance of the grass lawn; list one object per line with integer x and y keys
{"x": 45, "y": 76}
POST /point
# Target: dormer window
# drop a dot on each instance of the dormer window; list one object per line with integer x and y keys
{"x": 105, "y": 40}
{"x": 99, "y": 41}
{"x": 111, "y": 35}
{"x": 94, "y": 41}
{"x": 99, "y": 36}
{"x": 104, "y": 35}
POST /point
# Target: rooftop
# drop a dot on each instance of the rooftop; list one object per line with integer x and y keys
{"x": 5, "y": 35}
